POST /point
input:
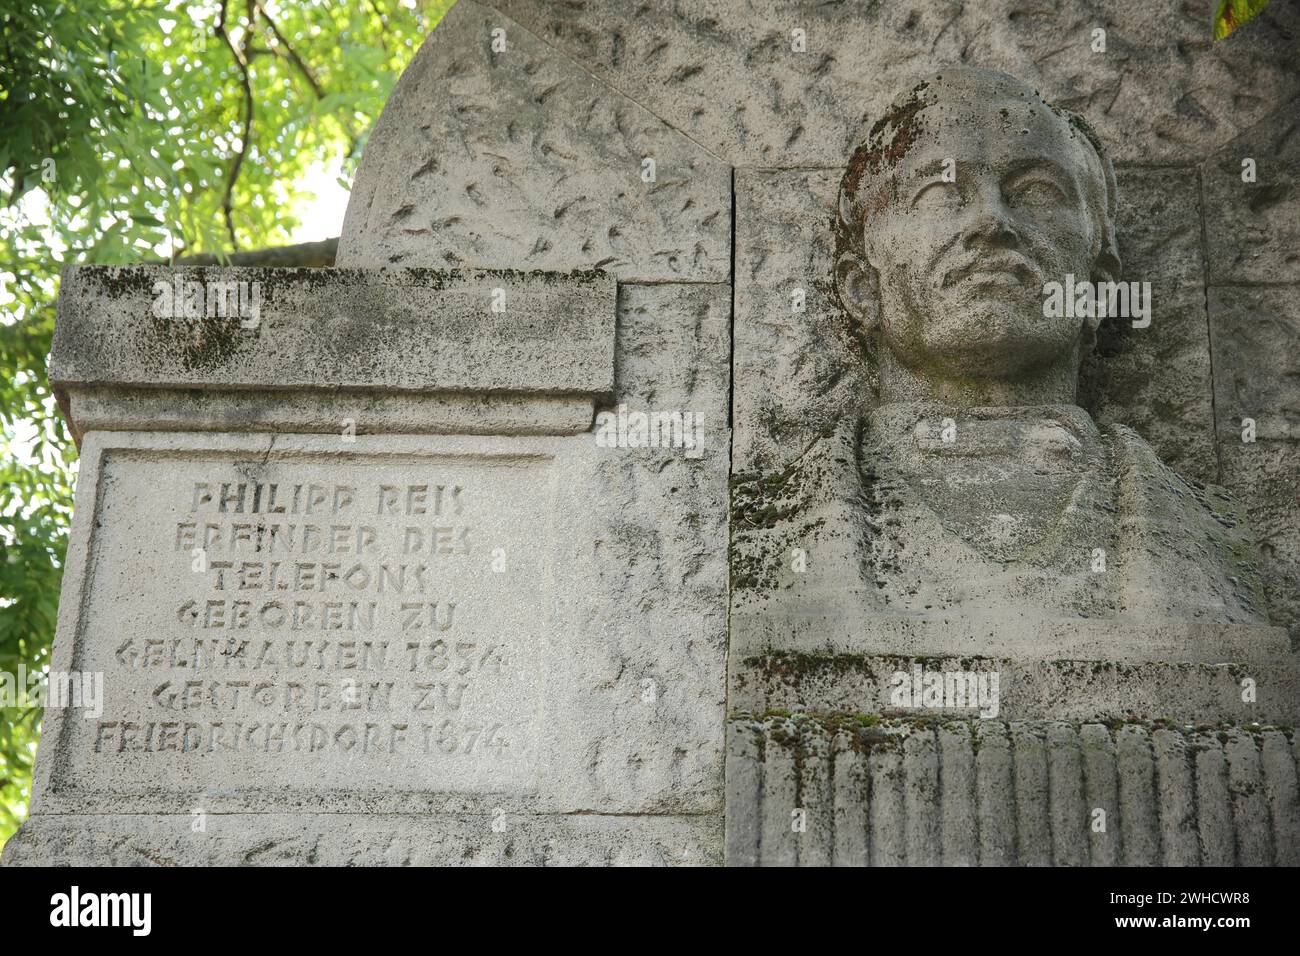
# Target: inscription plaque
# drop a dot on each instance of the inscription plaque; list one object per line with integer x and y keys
{"x": 315, "y": 620}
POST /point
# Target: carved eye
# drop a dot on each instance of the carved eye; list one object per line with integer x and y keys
{"x": 1035, "y": 192}
{"x": 937, "y": 195}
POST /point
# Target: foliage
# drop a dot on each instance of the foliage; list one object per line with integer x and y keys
{"x": 134, "y": 130}
{"x": 1231, "y": 14}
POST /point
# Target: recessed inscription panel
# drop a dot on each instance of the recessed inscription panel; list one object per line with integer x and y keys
{"x": 314, "y": 622}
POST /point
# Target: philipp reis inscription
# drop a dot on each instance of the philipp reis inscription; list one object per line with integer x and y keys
{"x": 329, "y": 622}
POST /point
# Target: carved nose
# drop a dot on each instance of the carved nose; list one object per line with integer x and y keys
{"x": 992, "y": 227}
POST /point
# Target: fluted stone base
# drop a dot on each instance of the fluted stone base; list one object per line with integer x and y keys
{"x": 857, "y": 791}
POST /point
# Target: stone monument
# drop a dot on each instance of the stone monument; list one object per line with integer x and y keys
{"x": 684, "y": 463}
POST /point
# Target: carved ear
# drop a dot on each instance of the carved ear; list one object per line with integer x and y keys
{"x": 1106, "y": 267}
{"x": 858, "y": 285}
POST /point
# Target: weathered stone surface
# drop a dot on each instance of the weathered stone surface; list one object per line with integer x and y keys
{"x": 520, "y": 159}
{"x": 1283, "y": 790}
{"x": 798, "y": 367}
{"x": 851, "y": 779}
{"x": 974, "y": 483}
{"x": 654, "y": 577}
{"x": 1028, "y": 638}
{"x": 959, "y": 843}
{"x": 1251, "y": 237}
{"x": 1065, "y": 795}
{"x": 1144, "y": 777}
{"x": 376, "y": 330}
{"x": 1252, "y": 229}
{"x": 559, "y": 705}
{"x": 892, "y": 521}
{"x": 1156, "y": 380}
{"x": 1256, "y": 336}
{"x": 974, "y": 520}
{"x": 1265, "y": 475}
{"x": 1060, "y": 689}
{"x": 592, "y": 729}
{"x": 362, "y": 413}
{"x": 726, "y": 75}
{"x": 343, "y": 614}
{"x": 1176, "y": 793}
{"x": 303, "y": 839}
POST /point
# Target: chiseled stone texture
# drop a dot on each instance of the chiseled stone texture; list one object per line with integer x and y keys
{"x": 1265, "y": 476}
{"x": 282, "y": 839}
{"x": 997, "y": 793}
{"x": 1252, "y": 241}
{"x": 1252, "y": 230}
{"x": 797, "y": 372}
{"x": 725, "y": 73}
{"x": 1256, "y": 336}
{"x": 521, "y": 159}
{"x": 654, "y": 579}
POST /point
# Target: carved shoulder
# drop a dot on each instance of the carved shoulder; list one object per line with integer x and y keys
{"x": 1187, "y": 548}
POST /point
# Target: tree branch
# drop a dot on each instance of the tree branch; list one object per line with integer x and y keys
{"x": 241, "y": 60}
{"x": 292, "y": 55}
{"x": 290, "y": 51}
{"x": 383, "y": 28}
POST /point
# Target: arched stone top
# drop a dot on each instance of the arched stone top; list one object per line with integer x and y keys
{"x": 521, "y": 159}
{"x": 727, "y": 75}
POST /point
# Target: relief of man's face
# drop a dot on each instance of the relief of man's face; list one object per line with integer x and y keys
{"x": 962, "y": 263}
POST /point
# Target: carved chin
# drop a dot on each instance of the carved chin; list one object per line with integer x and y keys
{"x": 997, "y": 333}
{"x": 993, "y": 342}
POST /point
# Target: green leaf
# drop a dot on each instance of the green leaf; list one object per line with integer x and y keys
{"x": 1233, "y": 13}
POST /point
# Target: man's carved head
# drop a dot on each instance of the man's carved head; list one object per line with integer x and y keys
{"x": 967, "y": 196}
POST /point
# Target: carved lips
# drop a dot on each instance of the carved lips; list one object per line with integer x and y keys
{"x": 1007, "y": 271}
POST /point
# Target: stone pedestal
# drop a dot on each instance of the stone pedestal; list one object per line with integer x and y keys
{"x": 355, "y": 572}
{"x": 869, "y": 740}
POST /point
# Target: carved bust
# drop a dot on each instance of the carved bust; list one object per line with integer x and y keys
{"x": 976, "y": 483}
